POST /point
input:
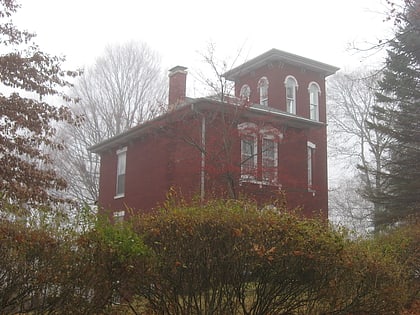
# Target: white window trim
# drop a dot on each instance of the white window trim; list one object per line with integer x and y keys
{"x": 119, "y": 153}
{"x": 263, "y": 82}
{"x": 311, "y": 145}
{"x": 310, "y": 156}
{"x": 316, "y": 84}
{"x": 275, "y": 160}
{"x": 118, "y": 216}
{"x": 296, "y": 86}
{"x": 245, "y": 176}
{"x": 245, "y": 92}
{"x": 269, "y": 131}
{"x": 316, "y": 118}
{"x": 248, "y": 129}
{"x": 258, "y": 134}
{"x": 122, "y": 150}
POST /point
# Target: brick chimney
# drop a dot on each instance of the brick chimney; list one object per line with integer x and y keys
{"x": 177, "y": 85}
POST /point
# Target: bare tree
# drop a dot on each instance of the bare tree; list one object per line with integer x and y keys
{"x": 124, "y": 88}
{"x": 348, "y": 208}
{"x": 213, "y": 81}
{"x": 351, "y": 139}
{"x": 219, "y": 146}
{"x": 218, "y": 149}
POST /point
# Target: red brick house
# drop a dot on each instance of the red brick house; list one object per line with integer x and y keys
{"x": 270, "y": 137}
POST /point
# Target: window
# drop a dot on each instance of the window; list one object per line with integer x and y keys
{"x": 269, "y": 159}
{"x": 259, "y": 153}
{"x": 263, "y": 86}
{"x": 118, "y": 216}
{"x": 314, "y": 92}
{"x": 291, "y": 87}
{"x": 249, "y": 149}
{"x": 245, "y": 92}
{"x": 121, "y": 161}
{"x": 248, "y": 156}
{"x": 311, "y": 150}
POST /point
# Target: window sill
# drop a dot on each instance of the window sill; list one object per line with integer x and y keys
{"x": 258, "y": 182}
{"x": 119, "y": 196}
{"x": 313, "y": 191}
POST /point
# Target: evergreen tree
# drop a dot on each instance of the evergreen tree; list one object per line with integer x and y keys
{"x": 399, "y": 117}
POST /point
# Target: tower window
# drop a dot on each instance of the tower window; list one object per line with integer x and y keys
{"x": 263, "y": 86}
{"x": 314, "y": 92}
{"x": 245, "y": 92}
{"x": 291, "y": 87}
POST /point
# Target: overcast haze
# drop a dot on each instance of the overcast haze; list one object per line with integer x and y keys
{"x": 177, "y": 30}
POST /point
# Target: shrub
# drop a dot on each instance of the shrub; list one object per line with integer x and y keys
{"x": 402, "y": 243}
{"x": 228, "y": 257}
{"x": 223, "y": 257}
{"x": 28, "y": 265}
{"x": 366, "y": 281}
{"x": 106, "y": 262}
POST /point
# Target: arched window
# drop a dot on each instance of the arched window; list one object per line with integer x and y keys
{"x": 314, "y": 92}
{"x": 245, "y": 92}
{"x": 291, "y": 87}
{"x": 263, "y": 86}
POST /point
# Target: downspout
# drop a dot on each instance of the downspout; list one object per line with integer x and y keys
{"x": 203, "y": 153}
{"x": 203, "y": 157}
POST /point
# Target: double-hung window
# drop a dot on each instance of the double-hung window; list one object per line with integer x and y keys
{"x": 269, "y": 159}
{"x": 263, "y": 86}
{"x": 121, "y": 167}
{"x": 248, "y": 156}
{"x": 259, "y": 153}
{"x": 311, "y": 150}
{"x": 291, "y": 87}
{"x": 314, "y": 92}
{"x": 245, "y": 92}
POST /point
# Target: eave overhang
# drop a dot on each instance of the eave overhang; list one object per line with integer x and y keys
{"x": 126, "y": 136}
{"x": 201, "y": 106}
{"x": 275, "y": 55}
{"x": 285, "y": 118}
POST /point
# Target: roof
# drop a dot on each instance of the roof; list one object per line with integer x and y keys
{"x": 125, "y": 136}
{"x": 210, "y": 104}
{"x": 204, "y": 104}
{"x": 282, "y": 56}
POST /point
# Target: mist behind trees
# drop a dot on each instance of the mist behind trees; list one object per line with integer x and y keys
{"x": 355, "y": 150}
{"x": 375, "y": 126}
{"x": 125, "y": 87}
